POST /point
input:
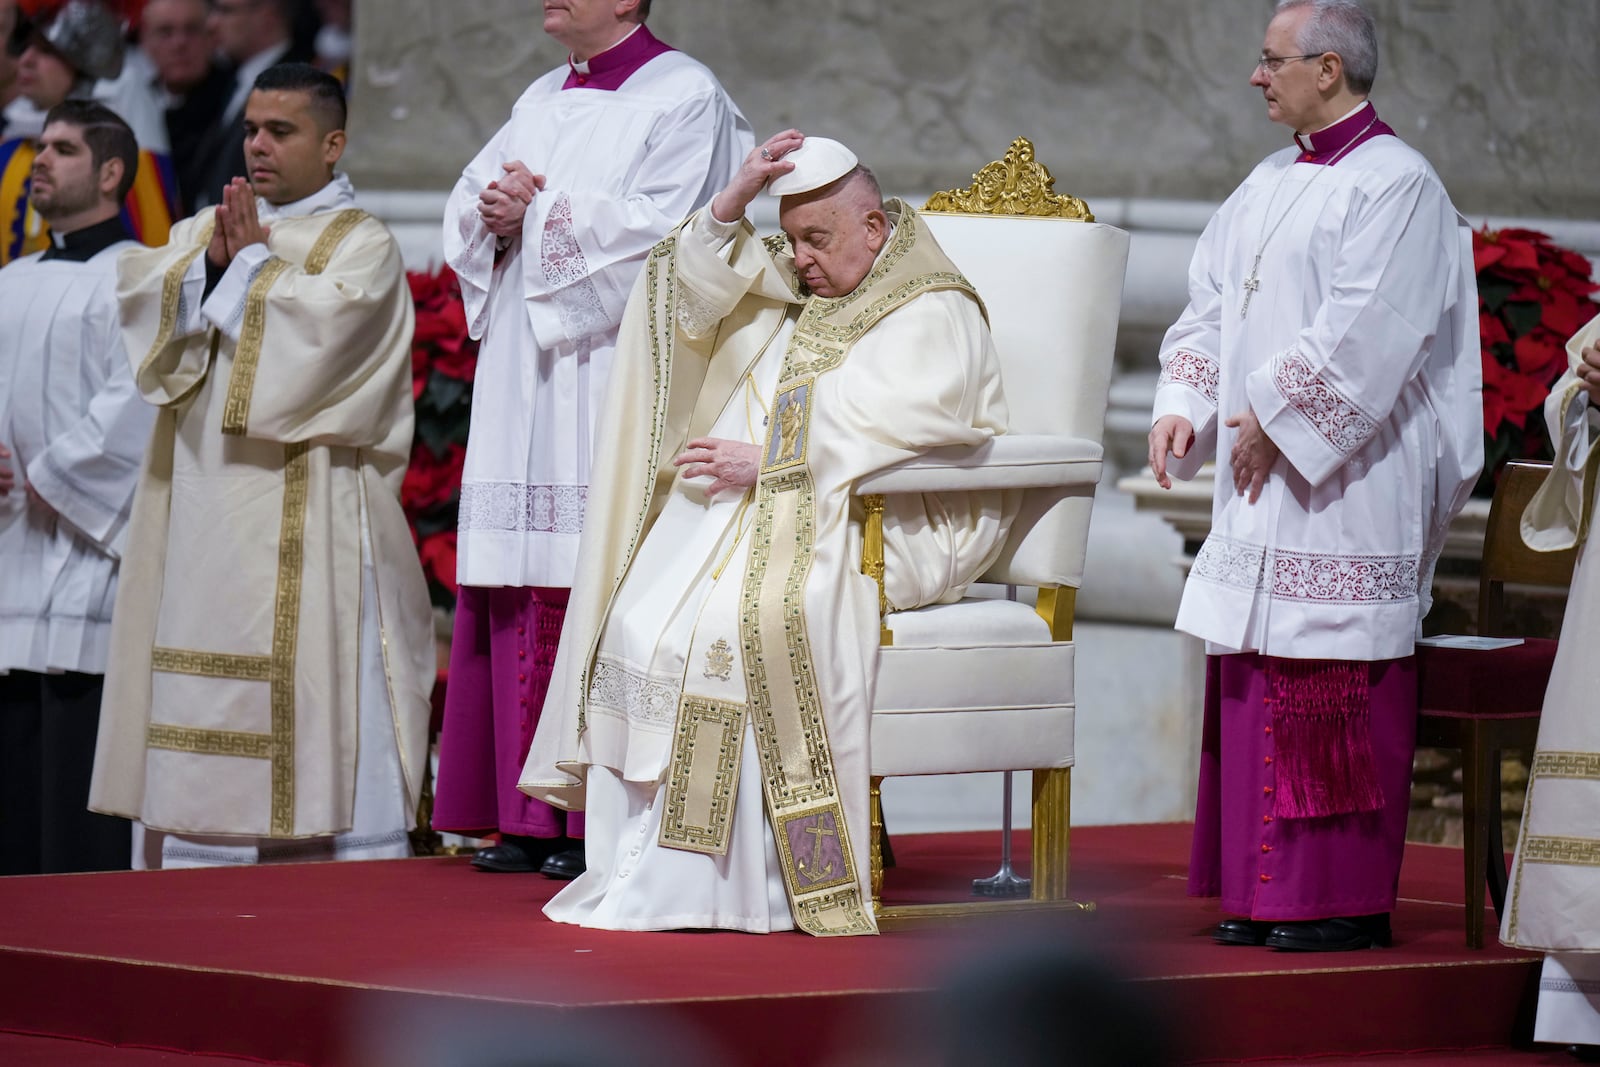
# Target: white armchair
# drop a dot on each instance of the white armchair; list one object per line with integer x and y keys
{"x": 987, "y": 684}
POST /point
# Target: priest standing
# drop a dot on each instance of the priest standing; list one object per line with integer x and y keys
{"x": 712, "y": 694}
{"x": 1328, "y": 360}
{"x": 1553, "y": 901}
{"x": 272, "y": 648}
{"x": 547, "y": 230}
{"x": 72, "y": 435}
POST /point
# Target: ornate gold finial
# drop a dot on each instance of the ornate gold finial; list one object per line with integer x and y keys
{"x": 1015, "y": 185}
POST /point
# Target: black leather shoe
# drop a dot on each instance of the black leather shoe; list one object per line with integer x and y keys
{"x": 504, "y": 858}
{"x": 1584, "y": 1053}
{"x": 564, "y": 865}
{"x": 1332, "y": 935}
{"x": 1241, "y": 932}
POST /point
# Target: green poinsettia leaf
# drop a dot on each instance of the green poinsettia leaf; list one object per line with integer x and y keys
{"x": 1521, "y": 317}
{"x": 443, "y": 392}
{"x": 435, "y": 434}
{"x": 1494, "y": 291}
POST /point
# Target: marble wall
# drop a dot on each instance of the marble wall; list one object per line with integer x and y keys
{"x": 1139, "y": 98}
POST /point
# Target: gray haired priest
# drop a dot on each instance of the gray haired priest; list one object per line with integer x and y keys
{"x": 712, "y": 693}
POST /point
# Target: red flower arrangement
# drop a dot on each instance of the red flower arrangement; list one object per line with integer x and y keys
{"x": 1532, "y": 296}
{"x": 443, "y": 359}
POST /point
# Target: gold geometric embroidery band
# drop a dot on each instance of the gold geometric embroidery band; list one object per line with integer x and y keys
{"x": 212, "y": 664}
{"x": 332, "y": 234}
{"x": 171, "y": 292}
{"x": 242, "y": 381}
{"x": 209, "y": 742}
{"x": 704, "y": 781}
{"x": 1566, "y": 851}
{"x": 1567, "y": 765}
{"x": 286, "y": 634}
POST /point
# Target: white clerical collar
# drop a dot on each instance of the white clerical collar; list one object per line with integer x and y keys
{"x": 245, "y": 79}
{"x": 582, "y": 66}
{"x": 337, "y": 194}
{"x": 1341, "y": 118}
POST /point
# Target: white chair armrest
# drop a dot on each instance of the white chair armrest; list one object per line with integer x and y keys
{"x": 1011, "y": 461}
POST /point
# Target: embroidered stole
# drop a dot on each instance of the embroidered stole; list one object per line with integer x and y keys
{"x": 778, "y": 689}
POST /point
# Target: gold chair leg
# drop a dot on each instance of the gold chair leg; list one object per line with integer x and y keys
{"x": 876, "y": 809}
{"x": 1052, "y": 811}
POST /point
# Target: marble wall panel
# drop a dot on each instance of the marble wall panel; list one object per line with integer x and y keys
{"x": 1140, "y": 98}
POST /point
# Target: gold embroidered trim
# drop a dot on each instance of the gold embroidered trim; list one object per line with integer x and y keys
{"x": 171, "y": 292}
{"x": 713, "y": 731}
{"x": 211, "y": 664}
{"x": 1566, "y": 851}
{"x": 246, "y": 356}
{"x": 209, "y": 742}
{"x": 286, "y": 634}
{"x": 1566, "y": 765}
{"x": 814, "y": 869}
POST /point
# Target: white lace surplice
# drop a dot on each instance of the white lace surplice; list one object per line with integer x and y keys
{"x": 621, "y": 168}
{"x": 1360, "y": 357}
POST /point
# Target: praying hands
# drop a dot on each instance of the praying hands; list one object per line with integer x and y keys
{"x": 237, "y": 225}
{"x": 504, "y": 202}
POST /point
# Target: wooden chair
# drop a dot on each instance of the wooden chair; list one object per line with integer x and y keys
{"x": 1486, "y": 701}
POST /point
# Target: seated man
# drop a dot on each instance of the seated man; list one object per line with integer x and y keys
{"x": 720, "y": 646}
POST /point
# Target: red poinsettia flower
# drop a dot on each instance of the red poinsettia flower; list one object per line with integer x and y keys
{"x": 438, "y": 555}
{"x": 430, "y": 480}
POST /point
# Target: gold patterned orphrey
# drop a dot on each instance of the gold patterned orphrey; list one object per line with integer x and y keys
{"x": 1016, "y": 185}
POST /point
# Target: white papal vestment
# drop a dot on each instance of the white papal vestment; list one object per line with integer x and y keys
{"x": 666, "y": 656}
{"x": 621, "y": 168}
{"x": 1371, "y": 394}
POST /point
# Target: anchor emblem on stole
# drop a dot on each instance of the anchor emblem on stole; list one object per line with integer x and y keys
{"x": 816, "y": 871}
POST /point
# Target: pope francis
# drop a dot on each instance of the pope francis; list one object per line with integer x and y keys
{"x": 712, "y": 694}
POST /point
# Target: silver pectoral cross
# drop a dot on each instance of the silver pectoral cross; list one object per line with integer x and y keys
{"x": 1251, "y": 284}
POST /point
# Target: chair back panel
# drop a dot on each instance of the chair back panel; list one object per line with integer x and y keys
{"x": 1506, "y": 557}
{"x": 1053, "y": 291}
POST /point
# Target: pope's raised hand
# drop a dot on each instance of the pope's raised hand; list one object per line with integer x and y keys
{"x": 734, "y": 464}
{"x": 764, "y": 163}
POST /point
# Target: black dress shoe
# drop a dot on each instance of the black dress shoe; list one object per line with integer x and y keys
{"x": 1332, "y": 935}
{"x": 1241, "y": 932}
{"x": 1584, "y": 1053}
{"x": 504, "y": 858}
{"x": 564, "y": 865}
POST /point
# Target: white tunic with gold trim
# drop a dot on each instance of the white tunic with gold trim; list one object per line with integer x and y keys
{"x": 1553, "y": 901}
{"x": 270, "y": 487}
{"x": 722, "y": 653}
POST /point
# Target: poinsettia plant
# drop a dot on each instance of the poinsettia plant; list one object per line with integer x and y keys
{"x": 1532, "y": 296}
{"x": 443, "y": 360}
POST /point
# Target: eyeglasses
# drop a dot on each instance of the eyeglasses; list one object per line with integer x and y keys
{"x": 1273, "y": 64}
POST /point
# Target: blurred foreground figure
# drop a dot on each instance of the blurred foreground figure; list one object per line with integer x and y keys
{"x": 272, "y": 648}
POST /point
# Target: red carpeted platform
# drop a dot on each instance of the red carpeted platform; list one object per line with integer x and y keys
{"x": 301, "y": 964}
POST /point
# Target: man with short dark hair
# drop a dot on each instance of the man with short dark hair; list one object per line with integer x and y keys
{"x": 72, "y": 433}
{"x": 1328, "y": 360}
{"x": 547, "y": 230}
{"x": 711, "y": 699}
{"x": 272, "y": 653}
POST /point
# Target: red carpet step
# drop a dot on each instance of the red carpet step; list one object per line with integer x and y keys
{"x": 305, "y": 964}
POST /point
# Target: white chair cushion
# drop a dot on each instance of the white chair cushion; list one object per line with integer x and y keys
{"x": 1015, "y": 461}
{"x": 973, "y": 686}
